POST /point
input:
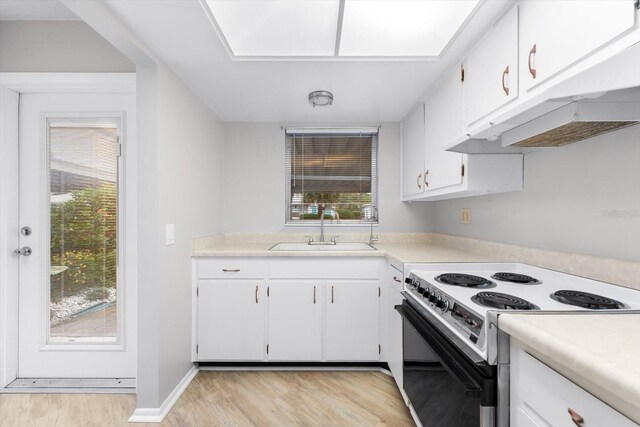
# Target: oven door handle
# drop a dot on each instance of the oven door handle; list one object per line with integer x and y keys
{"x": 452, "y": 360}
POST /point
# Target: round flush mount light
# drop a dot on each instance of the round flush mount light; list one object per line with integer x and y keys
{"x": 320, "y": 98}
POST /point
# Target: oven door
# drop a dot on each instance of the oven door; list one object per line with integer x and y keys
{"x": 444, "y": 386}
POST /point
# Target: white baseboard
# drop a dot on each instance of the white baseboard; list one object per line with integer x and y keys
{"x": 156, "y": 415}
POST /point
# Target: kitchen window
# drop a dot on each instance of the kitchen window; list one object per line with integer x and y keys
{"x": 331, "y": 170}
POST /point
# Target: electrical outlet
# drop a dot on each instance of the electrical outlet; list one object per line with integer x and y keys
{"x": 465, "y": 216}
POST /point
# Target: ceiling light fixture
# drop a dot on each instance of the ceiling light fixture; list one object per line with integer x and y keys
{"x": 320, "y": 98}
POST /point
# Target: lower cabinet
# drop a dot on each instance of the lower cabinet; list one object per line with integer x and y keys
{"x": 394, "y": 284}
{"x": 295, "y": 320}
{"x": 300, "y": 310}
{"x": 542, "y": 397}
{"x": 231, "y": 320}
{"x": 352, "y": 321}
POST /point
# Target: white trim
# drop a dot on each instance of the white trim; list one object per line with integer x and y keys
{"x": 331, "y": 130}
{"x": 69, "y": 82}
{"x": 9, "y": 198}
{"x": 156, "y": 415}
{"x": 297, "y": 369}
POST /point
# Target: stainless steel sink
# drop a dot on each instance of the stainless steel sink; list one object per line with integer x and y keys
{"x": 328, "y": 247}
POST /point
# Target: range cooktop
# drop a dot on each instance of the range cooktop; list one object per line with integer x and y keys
{"x": 466, "y": 297}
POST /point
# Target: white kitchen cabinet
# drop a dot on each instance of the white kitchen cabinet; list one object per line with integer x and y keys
{"x": 231, "y": 320}
{"x": 491, "y": 70}
{"x": 412, "y": 152}
{"x": 541, "y": 397}
{"x": 295, "y": 320}
{"x": 443, "y": 122}
{"x": 352, "y": 321}
{"x": 394, "y": 284}
{"x": 555, "y": 36}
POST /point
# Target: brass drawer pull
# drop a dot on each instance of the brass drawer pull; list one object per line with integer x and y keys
{"x": 314, "y": 294}
{"x": 256, "y": 294}
{"x": 532, "y": 52}
{"x": 396, "y": 279}
{"x": 231, "y": 270}
{"x": 576, "y": 418}
{"x": 419, "y": 181}
{"x": 331, "y": 294}
{"x": 505, "y": 73}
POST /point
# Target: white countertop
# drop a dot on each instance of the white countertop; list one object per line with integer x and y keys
{"x": 599, "y": 352}
{"x": 403, "y": 252}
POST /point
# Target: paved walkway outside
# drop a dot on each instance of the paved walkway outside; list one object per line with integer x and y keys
{"x": 100, "y": 323}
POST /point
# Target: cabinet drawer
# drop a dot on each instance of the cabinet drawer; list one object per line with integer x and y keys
{"x": 231, "y": 268}
{"x": 318, "y": 268}
{"x": 394, "y": 277}
{"x": 546, "y": 398}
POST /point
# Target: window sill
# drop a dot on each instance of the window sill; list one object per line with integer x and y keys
{"x": 330, "y": 225}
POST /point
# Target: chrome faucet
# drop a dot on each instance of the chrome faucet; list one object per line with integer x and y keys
{"x": 372, "y": 238}
{"x": 334, "y": 215}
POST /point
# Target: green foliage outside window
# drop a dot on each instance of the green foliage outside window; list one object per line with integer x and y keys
{"x": 84, "y": 233}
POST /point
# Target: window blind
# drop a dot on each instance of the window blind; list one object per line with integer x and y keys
{"x": 335, "y": 172}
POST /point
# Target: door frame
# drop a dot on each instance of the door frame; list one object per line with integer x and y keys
{"x": 11, "y": 85}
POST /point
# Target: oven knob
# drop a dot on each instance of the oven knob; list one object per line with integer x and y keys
{"x": 440, "y": 303}
{"x": 432, "y": 297}
{"x": 409, "y": 281}
{"x": 423, "y": 291}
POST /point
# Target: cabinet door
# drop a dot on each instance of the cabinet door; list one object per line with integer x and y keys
{"x": 553, "y": 37}
{"x": 295, "y": 320}
{"x": 231, "y": 320}
{"x": 394, "y": 335}
{"x": 412, "y": 154}
{"x": 541, "y": 396}
{"x": 491, "y": 70}
{"x": 443, "y": 122}
{"x": 352, "y": 321}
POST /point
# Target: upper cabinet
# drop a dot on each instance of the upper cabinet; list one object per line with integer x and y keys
{"x": 443, "y": 122}
{"x": 491, "y": 70}
{"x": 553, "y": 37}
{"x": 432, "y": 173}
{"x": 412, "y": 136}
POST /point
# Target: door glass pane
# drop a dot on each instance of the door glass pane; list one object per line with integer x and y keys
{"x": 83, "y": 176}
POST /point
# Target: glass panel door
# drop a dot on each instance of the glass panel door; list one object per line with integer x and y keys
{"x": 83, "y": 220}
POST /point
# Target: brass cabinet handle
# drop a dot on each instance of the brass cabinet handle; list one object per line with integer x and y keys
{"x": 396, "y": 279}
{"x": 231, "y": 270}
{"x": 331, "y": 294}
{"x": 419, "y": 180}
{"x": 532, "y": 52}
{"x": 505, "y": 73}
{"x": 314, "y": 294}
{"x": 256, "y": 294}
{"x": 576, "y": 418}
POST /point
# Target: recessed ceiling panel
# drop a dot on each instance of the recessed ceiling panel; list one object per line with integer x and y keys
{"x": 401, "y": 27}
{"x": 278, "y": 27}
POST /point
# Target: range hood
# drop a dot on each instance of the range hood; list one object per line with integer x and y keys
{"x": 579, "y": 119}
{"x": 599, "y": 99}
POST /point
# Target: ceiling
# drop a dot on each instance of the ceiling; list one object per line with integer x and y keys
{"x": 34, "y": 10}
{"x": 181, "y": 34}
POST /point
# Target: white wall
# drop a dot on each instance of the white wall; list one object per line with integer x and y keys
{"x": 254, "y": 176}
{"x": 180, "y": 183}
{"x": 582, "y": 198}
{"x": 57, "y": 46}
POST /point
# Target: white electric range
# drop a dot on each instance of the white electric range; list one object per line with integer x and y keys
{"x": 451, "y": 335}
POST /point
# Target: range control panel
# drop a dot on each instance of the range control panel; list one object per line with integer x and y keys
{"x": 465, "y": 321}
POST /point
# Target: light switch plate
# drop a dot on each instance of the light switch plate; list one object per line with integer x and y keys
{"x": 170, "y": 234}
{"x": 465, "y": 216}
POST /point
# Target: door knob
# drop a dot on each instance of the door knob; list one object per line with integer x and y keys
{"x": 24, "y": 251}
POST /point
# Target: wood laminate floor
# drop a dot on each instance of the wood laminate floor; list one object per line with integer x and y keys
{"x": 231, "y": 398}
